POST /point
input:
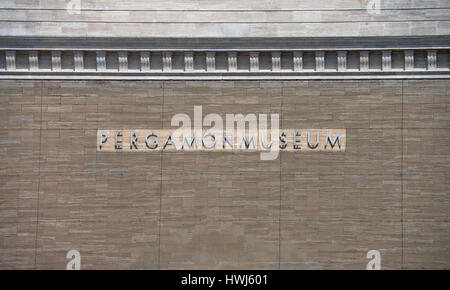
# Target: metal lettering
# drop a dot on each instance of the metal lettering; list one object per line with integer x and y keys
{"x": 226, "y": 139}
{"x": 189, "y": 142}
{"x": 103, "y": 138}
{"x": 153, "y": 145}
{"x": 310, "y": 145}
{"x": 247, "y": 142}
{"x": 166, "y": 142}
{"x": 263, "y": 143}
{"x": 333, "y": 141}
{"x": 296, "y": 134}
{"x": 133, "y": 140}
{"x": 209, "y": 133}
{"x": 118, "y": 144}
{"x": 283, "y": 140}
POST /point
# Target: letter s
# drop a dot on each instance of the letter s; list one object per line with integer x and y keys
{"x": 283, "y": 140}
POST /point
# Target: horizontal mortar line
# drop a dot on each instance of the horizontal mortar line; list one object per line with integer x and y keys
{"x": 324, "y": 218}
{"x": 222, "y": 73}
{"x": 223, "y": 22}
{"x": 225, "y": 173}
{"x": 239, "y": 48}
{"x": 395, "y": 177}
{"x": 153, "y": 218}
{"x": 275, "y": 77}
{"x": 168, "y": 218}
{"x": 358, "y": 219}
{"x": 98, "y": 179}
{"x": 227, "y": 10}
{"x": 148, "y": 218}
{"x": 294, "y": 177}
{"x": 79, "y": 129}
{"x": 104, "y": 178}
{"x": 167, "y": 221}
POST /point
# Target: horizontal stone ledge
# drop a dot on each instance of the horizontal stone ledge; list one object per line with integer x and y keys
{"x": 224, "y": 44}
{"x": 218, "y": 76}
{"x": 236, "y": 49}
{"x": 307, "y": 72}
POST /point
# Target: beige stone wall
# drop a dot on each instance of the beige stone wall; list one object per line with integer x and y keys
{"x": 388, "y": 191}
{"x": 219, "y": 18}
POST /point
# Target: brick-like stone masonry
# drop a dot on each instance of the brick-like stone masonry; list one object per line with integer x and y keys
{"x": 388, "y": 191}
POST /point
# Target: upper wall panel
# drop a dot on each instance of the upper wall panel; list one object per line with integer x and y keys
{"x": 222, "y": 4}
{"x": 224, "y": 18}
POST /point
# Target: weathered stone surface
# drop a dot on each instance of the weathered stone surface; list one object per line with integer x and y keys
{"x": 389, "y": 191}
{"x": 251, "y": 18}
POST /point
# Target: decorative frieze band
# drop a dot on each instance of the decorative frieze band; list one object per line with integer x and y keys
{"x": 167, "y": 61}
{"x": 78, "y": 58}
{"x": 210, "y": 61}
{"x": 320, "y": 61}
{"x": 10, "y": 60}
{"x": 243, "y": 63}
{"x": 101, "y": 61}
{"x": 432, "y": 59}
{"x": 409, "y": 59}
{"x": 386, "y": 57}
{"x": 342, "y": 60}
{"x": 33, "y": 60}
{"x": 276, "y": 61}
{"x": 364, "y": 60}
{"x": 123, "y": 61}
{"x": 232, "y": 61}
{"x": 188, "y": 61}
{"x": 145, "y": 61}
{"x": 56, "y": 60}
{"x": 254, "y": 61}
{"x": 298, "y": 61}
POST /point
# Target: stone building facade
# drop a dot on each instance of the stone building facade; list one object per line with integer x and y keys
{"x": 379, "y": 71}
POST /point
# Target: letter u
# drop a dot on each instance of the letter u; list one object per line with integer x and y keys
{"x": 313, "y": 146}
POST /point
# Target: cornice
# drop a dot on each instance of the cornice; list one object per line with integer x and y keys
{"x": 224, "y": 58}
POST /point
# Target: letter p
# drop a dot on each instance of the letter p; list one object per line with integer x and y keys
{"x": 103, "y": 136}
